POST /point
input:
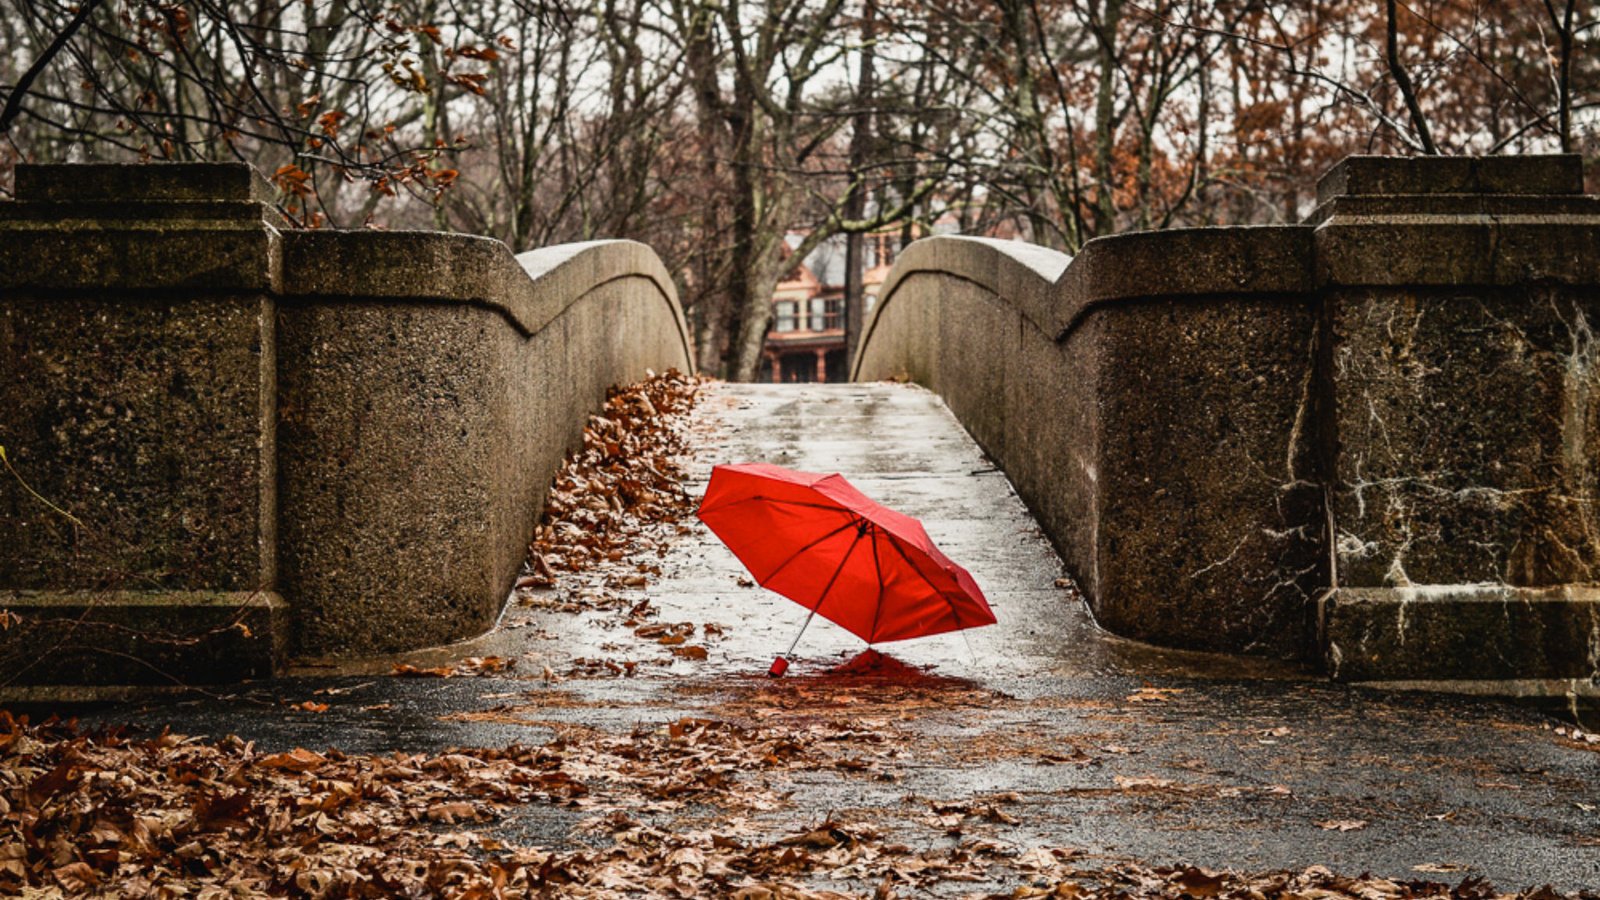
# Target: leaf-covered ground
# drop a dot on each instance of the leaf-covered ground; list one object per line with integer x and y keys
{"x": 651, "y": 773}
{"x": 167, "y": 816}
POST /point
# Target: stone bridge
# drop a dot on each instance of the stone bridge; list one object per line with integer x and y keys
{"x": 344, "y": 436}
{"x": 1366, "y": 440}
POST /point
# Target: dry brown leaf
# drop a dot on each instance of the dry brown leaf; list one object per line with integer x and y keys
{"x": 1153, "y": 694}
{"x": 406, "y": 670}
{"x": 1199, "y": 883}
{"x": 452, "y": 812}
{"x": 1439, "y": 868}
{"x": 297, "y": 760}
{"x": 76, "y": 878}
{"x": 1077, "y": 758}
{"x": 1342, "y": 824}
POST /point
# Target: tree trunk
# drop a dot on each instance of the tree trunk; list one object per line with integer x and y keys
{"x": 758, "y": 281}
{"x": 1563, "y": 26}
{"x": 1105, "y": 214}
{"x": 748, "y": 314}
{"x": 854, "y": 291}
{"x": 1408, "y": 91}
{"x": 855, "y": 208}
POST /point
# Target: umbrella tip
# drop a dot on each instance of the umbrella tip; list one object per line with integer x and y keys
{"x": 779, "y": 666}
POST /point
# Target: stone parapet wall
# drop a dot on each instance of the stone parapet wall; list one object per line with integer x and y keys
{"x": 1369, "y": 439}
{"x": 351, "y": 431}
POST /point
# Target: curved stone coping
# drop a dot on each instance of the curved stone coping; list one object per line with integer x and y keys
{"x": 1017, "y": 271}
{"x": 1183, "y": 262}
{"x": 1054, "y": 292}
{"x": 530, "y": 290}
{"x": 565, "y": 272}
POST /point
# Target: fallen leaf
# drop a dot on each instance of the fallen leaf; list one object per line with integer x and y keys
{"x": 406, "y": 670}
{"x": 76, "y": 878}
{"x": 1077, "y": 758}
{"x": 1439, "y": 868}
{"x": 1342, "y": 824}
{"x": 452, "y": 812}
{"x": 1197, "y": 882}
{"x": 1153, "y": 695}
{"x": 297, "y": 760}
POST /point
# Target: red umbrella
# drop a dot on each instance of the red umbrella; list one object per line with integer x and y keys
{"x": 820, "y": 542}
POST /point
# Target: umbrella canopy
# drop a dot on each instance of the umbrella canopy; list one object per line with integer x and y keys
{"x": 823, "y": 544}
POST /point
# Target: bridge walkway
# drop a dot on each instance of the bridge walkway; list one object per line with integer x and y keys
{"x": 902, "y": 447}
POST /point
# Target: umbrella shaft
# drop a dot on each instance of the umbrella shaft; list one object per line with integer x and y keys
{"x": 862, "y": 528}
{"x": 796, "y": 642}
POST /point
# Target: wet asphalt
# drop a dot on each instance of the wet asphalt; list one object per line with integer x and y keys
{"x": 1113, "y": 747}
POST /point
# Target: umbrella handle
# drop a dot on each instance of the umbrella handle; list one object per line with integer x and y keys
{"x": 781, "y": 664}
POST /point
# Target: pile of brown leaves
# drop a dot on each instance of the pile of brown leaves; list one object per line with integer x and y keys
{"x": 625, "y": 479}
{"x": 166, "y": 817}
{"x": 171, "y": 816}
{"x": 111, "y": 815}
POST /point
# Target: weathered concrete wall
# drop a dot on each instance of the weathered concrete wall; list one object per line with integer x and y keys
{"x": 1366, "y": 438}
{"x": 1108, "y": 392}
{"x": 486, "y": 396}
{"x": 337, "y": 440}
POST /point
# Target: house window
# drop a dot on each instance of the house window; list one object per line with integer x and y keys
{"x": 819, "y": 314}
{"x": 835, "y": 314}
{"x": 785, "y": 316}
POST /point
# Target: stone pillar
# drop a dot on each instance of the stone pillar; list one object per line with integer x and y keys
{"x": 1202, "y": 488}
{"x": 822, "y": 365}
{"x": 1460, "y": 298}
{"x": 138, "y": 386}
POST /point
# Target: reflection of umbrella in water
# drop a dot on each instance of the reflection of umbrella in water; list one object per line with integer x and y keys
{"x": 823, "y": 544}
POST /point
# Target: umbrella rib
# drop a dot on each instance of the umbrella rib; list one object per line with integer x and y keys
{"x": 796, "y": 555}
{"x": 824, "y": 595}
{"x": 876, "y": 567}
{"x": 954, "y": 613}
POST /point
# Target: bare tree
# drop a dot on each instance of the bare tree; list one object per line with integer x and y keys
{"x": 737, "y": 136}
{"x": 302, "y": 89}
{"x": 777, "y": 123}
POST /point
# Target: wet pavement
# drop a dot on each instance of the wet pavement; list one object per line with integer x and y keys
{"x": 1112, "y": 747}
